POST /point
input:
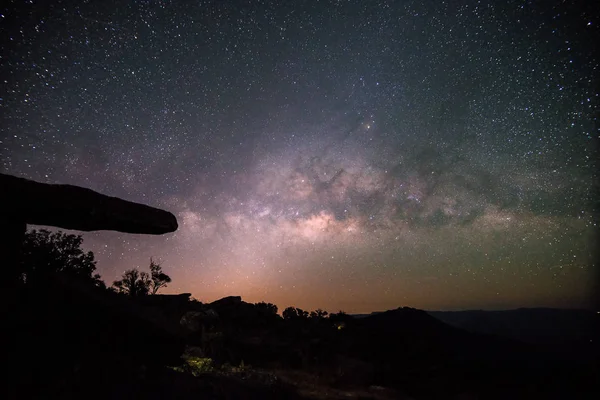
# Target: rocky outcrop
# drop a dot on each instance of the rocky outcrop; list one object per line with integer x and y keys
{"x": 74, "y": 207}
{"x": 23, "y": 202}
{"x": 173, "y": 301}
{"x": 229, "y": 301}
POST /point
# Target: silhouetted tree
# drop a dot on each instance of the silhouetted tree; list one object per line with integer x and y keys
{"x": 292, "y": 313}
{"x": 339, "y": 318}
{"x": 318, "y": 314}
{"x": 267, "y": 308}
{"x": 133, "y": 283}
{"x": 158, "y": 278}
{"x": 45, "y": 253}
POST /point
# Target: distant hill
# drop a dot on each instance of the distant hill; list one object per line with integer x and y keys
{"x": 566, "y": 330}
{"x": 417, "y": 327}
{"x": 410, "y": 348}
{"x": 546, "y": 326}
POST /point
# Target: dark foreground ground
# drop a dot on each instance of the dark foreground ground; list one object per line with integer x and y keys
{"x": 70, "y": 342}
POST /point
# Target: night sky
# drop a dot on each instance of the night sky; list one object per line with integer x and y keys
{"x": 353, "y": 155}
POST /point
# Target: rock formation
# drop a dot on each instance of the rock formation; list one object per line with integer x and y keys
{"x": 74, "y": 207}
{"x": 23, "y": 202}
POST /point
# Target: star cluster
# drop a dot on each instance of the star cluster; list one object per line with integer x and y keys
{"x": 335, "y": 154}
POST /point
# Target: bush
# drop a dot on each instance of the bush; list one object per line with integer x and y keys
{"x": 196, "y": 366}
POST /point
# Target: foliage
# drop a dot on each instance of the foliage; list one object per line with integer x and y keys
{"x": 135, "y": 283}
{"x": 340, "y": 317}
{"x": 266, "y": 308}
{"x": 318, "y": 314}
{"x": 45, "y": 253}
{"x": 339, "y": 320}
{"x": 292, "y": 313}
{"x": 158, "y": 278}
{"x": 196, "y": 366}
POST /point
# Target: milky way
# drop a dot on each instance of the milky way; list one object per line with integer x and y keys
{"x": 342, "y": 155}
